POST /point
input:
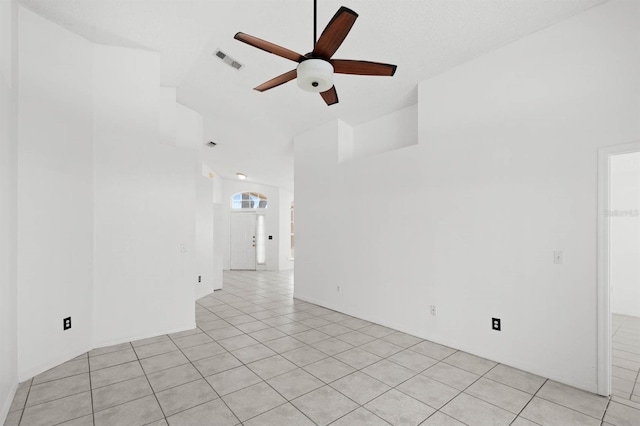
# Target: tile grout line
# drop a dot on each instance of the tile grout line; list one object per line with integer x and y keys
{"x": 529, "y": 402}
{"x": 387, "y": 358}
{"x": 245, "y": 293}
{"x": 288, "y": 401}
{"x": 262, "y": 380}
{"x": 55, "y": 399}
{"x": 570, "y": 408}
{"x": 605, "y": 412}
{"x": 93, "y": 411}
{"x": 358, "y": 370}
{"x": 441, "y": 361}
{"x": 122, "y": 381}
{"x": 24, "y": 407}
{"x": 153, "y": 391}
{"x": 635, "y": 383}
{"x": 268, "y": 384}
{"x": 381, "y": 338}
{"x": 203, "y": 378}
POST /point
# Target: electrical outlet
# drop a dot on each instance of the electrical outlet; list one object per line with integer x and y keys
{"x": 495, "y": 324}
{"x": 66, "y": 323}
{"x": 339, "y": 288}
{"x": 199, "y": 278}
{"x": 432, "y": 309}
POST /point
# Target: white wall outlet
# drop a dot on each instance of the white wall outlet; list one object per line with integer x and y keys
{"x": 339, "y": 288}
{"x": 557, "y": 257}
{"x": 432, "y": 309}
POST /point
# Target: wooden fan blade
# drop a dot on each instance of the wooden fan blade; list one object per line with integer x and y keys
{"x": 277, "y": 81}
{"x": 348, "y": 66}
{"x": 330, "y": 96}
{"x": 269, "y": 47}
{"x": 335, "y": 33}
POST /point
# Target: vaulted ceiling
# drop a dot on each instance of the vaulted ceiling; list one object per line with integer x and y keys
{"x": 254, "y": 131}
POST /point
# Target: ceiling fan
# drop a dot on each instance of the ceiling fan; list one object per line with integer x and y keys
{"x": 315, "y": 69}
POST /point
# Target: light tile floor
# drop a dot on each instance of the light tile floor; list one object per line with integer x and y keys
{"x": 626, "y": 357}
{"x": 260, "y": 358}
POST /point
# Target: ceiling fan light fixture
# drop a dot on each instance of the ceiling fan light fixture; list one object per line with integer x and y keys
{"x": 315, "y": 69}
{"x": 315, "y": 75}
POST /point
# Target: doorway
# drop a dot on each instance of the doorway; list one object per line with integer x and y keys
{"x": 618, "y": 238}
{"x": 243, "y": 241}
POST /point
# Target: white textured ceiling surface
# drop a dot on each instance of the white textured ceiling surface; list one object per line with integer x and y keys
{"x": 254, "y": 130}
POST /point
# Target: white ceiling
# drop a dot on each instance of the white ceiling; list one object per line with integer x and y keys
{"x": 254, "y": 131}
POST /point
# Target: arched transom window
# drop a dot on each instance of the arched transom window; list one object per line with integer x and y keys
{"x": 249, "y": 200}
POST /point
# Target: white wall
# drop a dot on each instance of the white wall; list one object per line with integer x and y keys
{"x": 219, "y": 234}
{"x": 8, "y": 204}
{"x": 144, "y": 205}
{"x": 189, "y": 128}
{"x": 387, "y": 133}
{"x": 504, "y": 175}
{"x": 55, "y": 200}
{"x": 181, "y": 126}
{"x": 98, "y": 202}
{"x": 284, "y": 243}
{"x": 327, "y": 246}
{"x": 204, "y": 234}
{"x": 624, "y": 234}
{"x": 167, "y": 116}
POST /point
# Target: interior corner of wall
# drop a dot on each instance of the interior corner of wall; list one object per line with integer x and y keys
{"x": 167, "y": 115}
{"x": 168, "y": 92}
{"x": 189, "y": 127}
{"x": 207, "y": 171}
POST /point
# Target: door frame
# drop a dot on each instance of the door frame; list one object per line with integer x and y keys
{"x": 603, "y": 283}
{"x": 255, "y": 215}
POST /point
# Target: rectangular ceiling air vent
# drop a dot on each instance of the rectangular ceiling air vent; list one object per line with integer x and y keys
{"x": 228, "y": 59}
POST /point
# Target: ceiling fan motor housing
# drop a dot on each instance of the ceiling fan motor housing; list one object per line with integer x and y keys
{"x": 315, "y": 75}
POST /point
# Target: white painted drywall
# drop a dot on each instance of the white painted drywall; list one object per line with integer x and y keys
{"x": 104, "y": 209}
{"x": 624, "y": 234}
{"x": 182, "y": 127}
{"x": 145, "y": 201}
{"x": 284, "y": 244}
{"x": 219, "y": 233}
{"x": 189, "y": 128}
{"x": 55, "y": 198}
{"x": 219, "y": 247}
{"x": 204, "y": 235}
{"x": 390, "y": 132}
{"x": 167, "y": 116}
{"x": 8, "y": 205}
{"x": 504, "y": 175}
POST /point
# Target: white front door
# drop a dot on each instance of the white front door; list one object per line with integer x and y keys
{"x": 243, "y": 241}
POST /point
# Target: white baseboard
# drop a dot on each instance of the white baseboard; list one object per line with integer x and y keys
{"x": 49, "y": 363}
{"x": 54, "y": 362}
{"x": 111, "y": 342}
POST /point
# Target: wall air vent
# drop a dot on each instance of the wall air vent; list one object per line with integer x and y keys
{"x": 228, "y": 59}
